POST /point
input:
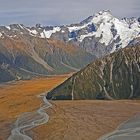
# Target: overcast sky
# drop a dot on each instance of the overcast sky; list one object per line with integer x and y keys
{"x": 59, "y": 12}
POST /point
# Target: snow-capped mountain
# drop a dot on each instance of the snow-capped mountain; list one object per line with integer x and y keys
{"x": 102, "y": 33}
{"x": 27, "y": 51}
{"x": 99, "y": 34}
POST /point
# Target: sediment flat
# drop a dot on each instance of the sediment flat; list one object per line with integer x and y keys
{"x": 129, "y": 130}
{"x": 84, "y": 120}
{"x": 80, "y": 120}
{"x": 19, "y": 97}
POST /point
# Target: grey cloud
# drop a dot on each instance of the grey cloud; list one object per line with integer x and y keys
{"x": 59, "y": 12}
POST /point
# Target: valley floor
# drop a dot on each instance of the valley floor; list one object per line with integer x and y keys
{"x": 84, "y": 120}
{"x": 19, "y": 97}
{"x": 77, "y": 120}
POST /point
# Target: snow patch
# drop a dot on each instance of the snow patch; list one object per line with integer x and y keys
{"x": 104, "y": 31}
{"x": 8, "y": 27}
{"x": 33, "y": 32}
{"x": 47, "y": 34}
{"x": 75, "y": 28}
{"x": 82, "y": 37}
{"x": 126, "y": 34}
{"x": 62, "y": 31}
{"x": 0, "y": 34}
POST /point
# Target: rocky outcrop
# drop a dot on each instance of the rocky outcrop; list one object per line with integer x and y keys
{"x": 116, "y": 76}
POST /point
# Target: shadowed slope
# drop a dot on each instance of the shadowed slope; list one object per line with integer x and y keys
{"x": 116, "y": 76}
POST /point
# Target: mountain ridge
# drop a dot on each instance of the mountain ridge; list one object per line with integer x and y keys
{"x": 101, "y": 33}
{"x": 105, "y": 78}
{"x": 25, "y": 57}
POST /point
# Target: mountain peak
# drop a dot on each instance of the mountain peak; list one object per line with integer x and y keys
{"x": 104, "y": 12}
{"x": 102, "y": 16}
{"x": 97, "y": 16}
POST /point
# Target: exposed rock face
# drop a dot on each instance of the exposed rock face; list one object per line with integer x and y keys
{"x": 116, "y": 76}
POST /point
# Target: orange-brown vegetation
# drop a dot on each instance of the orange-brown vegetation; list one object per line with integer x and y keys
{"x": 78, "y": 120}
{"x": 69, "y": 48}
{"x": 19, "y": 97}
{"x": 19, "y": 43}
{"x": 84, "y": 120}
{"x": 11, "y": 43}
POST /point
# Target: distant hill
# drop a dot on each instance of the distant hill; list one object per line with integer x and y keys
{"x": 27, "y": 56}
{"x": 116, "y": 76}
